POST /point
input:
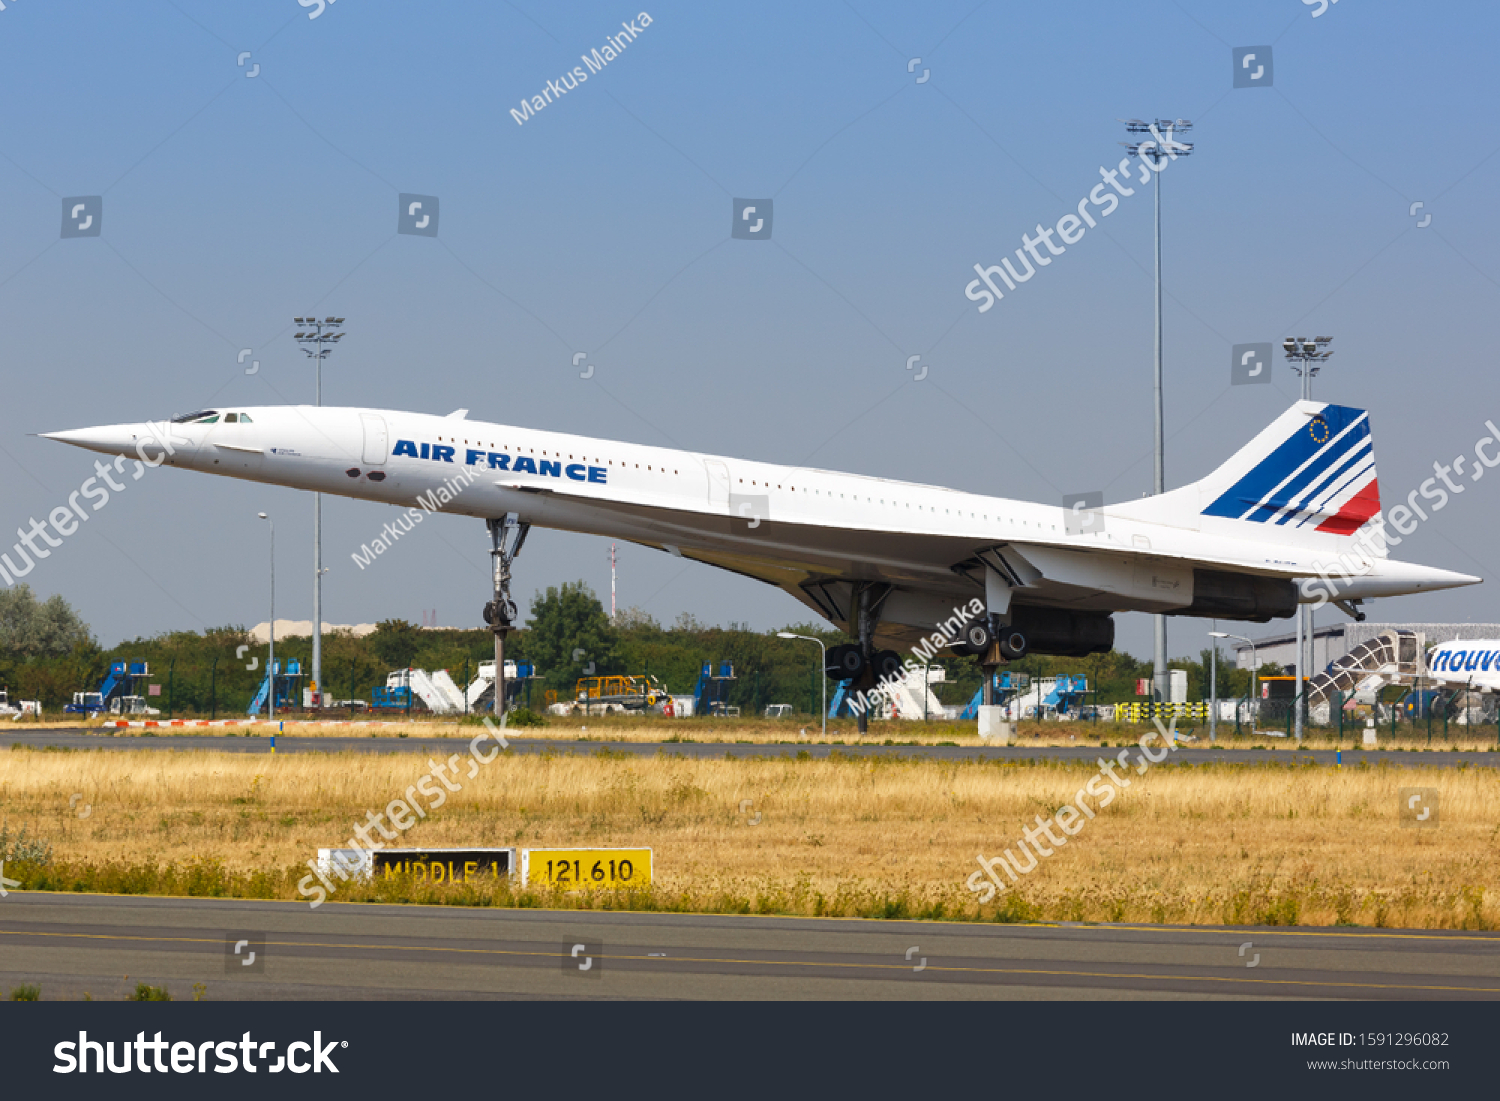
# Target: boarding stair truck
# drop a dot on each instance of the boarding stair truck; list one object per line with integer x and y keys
{"x": 1060, "y": 696}
{"x": 1393, "y": 657}
{"x": 480, "y": 695}
{"x": 286, "y": 677}
{"x": 436, "y": 690}
{"x": 907, "y": 698}
{"x": 1007, "y": 686}
{"x": 119, "y": 684}
{"x": 711, "y": 693}
{"x": 444, "y": 686}
{"x": 1065, "y": 694}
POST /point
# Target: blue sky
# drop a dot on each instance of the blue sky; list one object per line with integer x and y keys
{"x": 232, "y": 203}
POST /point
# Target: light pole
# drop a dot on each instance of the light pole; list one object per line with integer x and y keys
{"x": 1156, "y": 149}
{"x": 1307, "y": 358}
{"x": 271, "y": 660}
{"x": 1213, "y": 683}
{"x": 824, "y": 670}
{"x": 1254, "y": 669}
{"x": 318, "y": 341}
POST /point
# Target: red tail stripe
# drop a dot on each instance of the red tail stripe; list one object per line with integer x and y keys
{"x": 1352, "y": 516}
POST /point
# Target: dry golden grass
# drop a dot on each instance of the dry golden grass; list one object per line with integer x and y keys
{"x": 1212, "y": 844}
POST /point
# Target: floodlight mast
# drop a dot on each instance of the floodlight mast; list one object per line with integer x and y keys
{"x": 1153, "y": 151}
{"x": 1307, "y": 358}
{"x": 318, "y": 341}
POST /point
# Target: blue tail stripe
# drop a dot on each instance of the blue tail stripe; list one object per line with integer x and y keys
{"x": 1361, "y": 476}
{"x": 1286, "y": 494}
{"x": 1354, "y": 456}
{"x": 1298, "y": 486}
{"x": 1256, "y": 487}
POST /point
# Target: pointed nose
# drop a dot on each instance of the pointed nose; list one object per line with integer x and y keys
{"x": 109, "y": 439}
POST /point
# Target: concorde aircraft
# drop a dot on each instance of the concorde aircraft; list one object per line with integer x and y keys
{"x": 891, "y": 562}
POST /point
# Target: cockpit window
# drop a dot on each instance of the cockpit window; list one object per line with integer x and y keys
{"x": 230, "y": 418}
{"x": 245, "y": 419}
{"x": 187, "y": 418}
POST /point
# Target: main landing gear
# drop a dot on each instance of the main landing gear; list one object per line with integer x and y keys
{"x": 985, "y": 637}
{"x": 993, "y": 644}
{"x": 858, "y": 664}
{"x": 506, "y": 537}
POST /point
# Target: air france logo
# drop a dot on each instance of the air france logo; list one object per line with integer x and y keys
{"x": 495, "y": 460}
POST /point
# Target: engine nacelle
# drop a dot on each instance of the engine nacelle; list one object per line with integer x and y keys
{"x": 1063, "y": 633}
{"x": 1220, "y": 595}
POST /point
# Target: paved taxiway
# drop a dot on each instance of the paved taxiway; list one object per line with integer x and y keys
{"x": 1196, "y": 754}
{"x": 72, "y": 944}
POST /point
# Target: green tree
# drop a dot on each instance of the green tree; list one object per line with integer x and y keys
{"x": 395, "y": 642}
{"x": 29, "y": 629}
{"x": 570, "y": 621}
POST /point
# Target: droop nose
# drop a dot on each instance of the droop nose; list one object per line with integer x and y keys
{"x": 111, "y": 439}
{"x": 132, "y": 440}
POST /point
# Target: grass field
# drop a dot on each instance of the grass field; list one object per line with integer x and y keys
{"x": 1269, "y": 842}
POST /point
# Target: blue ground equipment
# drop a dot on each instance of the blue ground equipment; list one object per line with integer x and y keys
{"x": 1067, "y": 693}
{"x": 288, "y": 688}
{"x": 711, "y": 693}
{"x": 1006, "y": 686}
{"x": 121, "y": 681}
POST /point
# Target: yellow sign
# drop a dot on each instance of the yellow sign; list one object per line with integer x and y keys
{"x": 586, "y": 869}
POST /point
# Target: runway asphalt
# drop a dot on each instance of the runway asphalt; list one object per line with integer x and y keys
{"x": 101, "y": 945}
{"x": 1197, "y": 754}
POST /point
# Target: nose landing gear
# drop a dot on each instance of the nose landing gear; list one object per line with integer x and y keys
{"x": 500, "y": 613}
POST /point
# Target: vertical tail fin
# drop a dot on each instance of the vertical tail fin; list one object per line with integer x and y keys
{"x": 1307, "y": 476}
{"x": 1312, "y": 469}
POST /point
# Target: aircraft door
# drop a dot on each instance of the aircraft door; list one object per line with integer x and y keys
{"x": 377, "y": 445}
{"x": 718, "y": 484}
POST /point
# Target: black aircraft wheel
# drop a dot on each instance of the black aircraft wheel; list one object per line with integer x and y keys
{"x": 977, "y": 637}
{"x": 500, "y": 613}
{"x": 888, "y": 665}
{"x": 1012, "y": 644}
{"x": 845, "y": 662}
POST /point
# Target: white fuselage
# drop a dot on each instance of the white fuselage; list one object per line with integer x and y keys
{"x": 1467, "y": 663}
{"x": 777, "y": 523}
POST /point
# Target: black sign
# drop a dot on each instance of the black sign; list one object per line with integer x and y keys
{"x": 444, "y": 865}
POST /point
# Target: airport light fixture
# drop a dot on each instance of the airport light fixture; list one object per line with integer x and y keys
{"x": 1254, "y": 670}
{"x": 318, "y": 340}
{"x": 1152, "y": 150}
{"x": 271, "y": 627}
{"x": 1307, "y": 358}
{"x": 1213, "y": 685}
{"x": 823, "y": 670}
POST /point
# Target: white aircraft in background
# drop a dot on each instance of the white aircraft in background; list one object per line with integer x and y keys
{"x": 1466, "y": 663}
{"x": 891, "y": 562}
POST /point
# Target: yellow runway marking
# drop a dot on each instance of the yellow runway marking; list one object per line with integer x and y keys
{"x": 1262, "y": 932}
